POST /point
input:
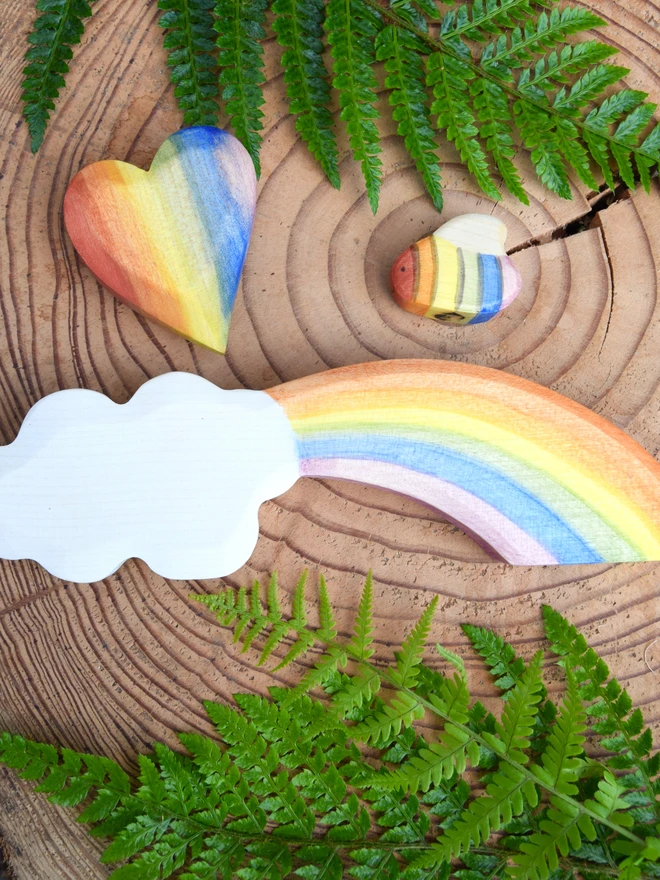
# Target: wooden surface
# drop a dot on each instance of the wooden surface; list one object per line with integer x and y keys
{"x": 112, "y": 666}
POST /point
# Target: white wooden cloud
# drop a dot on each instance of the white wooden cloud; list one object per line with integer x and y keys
{"x": 175, "y": 477}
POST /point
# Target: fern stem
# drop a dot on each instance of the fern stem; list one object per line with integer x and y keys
{"x": 244, "y": 615}
{"x": 519, "y": 767}
{"x": 395, "y": 683}
{"x": 514, "y": 92}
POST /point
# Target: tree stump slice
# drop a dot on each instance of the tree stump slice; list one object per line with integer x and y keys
{"x": 111, "y": 667}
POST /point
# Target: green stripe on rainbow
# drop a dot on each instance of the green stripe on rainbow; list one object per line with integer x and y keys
{"x": 534, "y": 475}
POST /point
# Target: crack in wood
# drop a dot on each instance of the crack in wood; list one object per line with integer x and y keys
{"x": 599, "y": 202}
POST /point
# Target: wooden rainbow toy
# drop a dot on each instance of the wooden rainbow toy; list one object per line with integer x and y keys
{"x": 176, "y": 476}
{"x": 170, "y": 242}
{"x": 461, "y": 274}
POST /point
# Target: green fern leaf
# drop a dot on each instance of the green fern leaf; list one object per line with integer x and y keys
{"x": 327, "y": 630}
{"x": 357, "y": 691}
{"x": 626, "y": 137}
{"x": 363, "y": 640}
{"x": 248, "y": 750}
{"x": 190, "y": 43}
{"x": 536, "y": 36}
{"x": 539, "y": 856}
{"x": 351, "y": 27}
{"x": 536, "y": 128}
{"x": 560, "y": 830}
{"x": 561, "y": 762}
{"x": 240, "y": 27}
{"x": 609, "y": 803}
{"x": 221, "y": 856}
{"x": 491, "y": 104}
{"x": 588, "y": 87}
{"x": 512, "y": 734}
{"x": 506, "y": 796}
{"x": 60, "y": 26}
{"x": 331, "y": 660}
{"x": 387, "y": 722}
{"x": 449, "y": 79}
{"x": 405, "y": 79}
{"x": 605, "y": 701}
{"x": 559, "y": 66}
{"x": 410, "y": 656}
{"x": 319, "y": 863}
{"x": 500, "y": 657}
{"x": 299, "y": 29}
{"x": 484, "y": 19}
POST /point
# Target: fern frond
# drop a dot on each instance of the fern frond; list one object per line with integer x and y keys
{"x": 481, "y": 20}
{"x": 512, "y": 733}
{"x": 410, "y": 656}
{"x": 491, "y": 104}
{"x": 506, "y": 796}
{"x": 357, "y": 692}
{"x": 619, "y": 727}
{"x": 561, "y": 762}
{"x": 351, "y": 27}
{"x": 248, "y": 750}
{"x": 608, "y": 802}
{"x": 559, "y": 66}
{"x": 60, "y": 26}
{"x": 286, "y": 789}
{"x": 190, "y": 44}
{"x": 405, "y": 80}
{"x": 536, "y": 36}
{"x": 559, "y": 834}
{"x": 504, "y": 664}
{"x": 299, "y": 29}
{"x": 560, "y": 830}
{"x": 441, "y": 760}
{"x": 363, "y": 639}
{"x": 449, "y": 80}
{"x": 382, "y": 725}
{"x": 240, "y": 27}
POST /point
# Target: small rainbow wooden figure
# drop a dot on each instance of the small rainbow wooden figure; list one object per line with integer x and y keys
{"x": 460, "y": 274}
{"x": 170, "y": 242}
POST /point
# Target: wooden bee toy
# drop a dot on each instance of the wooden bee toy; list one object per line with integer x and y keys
{"x": 460, "y": 274}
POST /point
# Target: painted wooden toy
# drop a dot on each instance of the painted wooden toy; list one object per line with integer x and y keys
{"x": 170, "y": 241}
{"x": 460, "y": 274}
{"x": 176, "y": 476}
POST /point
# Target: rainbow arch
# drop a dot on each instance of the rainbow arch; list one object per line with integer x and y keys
{"x": 532, "y": 475}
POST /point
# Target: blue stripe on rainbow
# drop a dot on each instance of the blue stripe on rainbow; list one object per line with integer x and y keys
{"x": 500, "y": 491}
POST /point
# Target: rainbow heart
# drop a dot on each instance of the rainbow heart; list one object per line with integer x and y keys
{"x": 171, "y": 241}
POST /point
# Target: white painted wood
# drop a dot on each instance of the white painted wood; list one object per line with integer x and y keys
{"x": 175, "y": 477}
{"x": 481, "y": 233}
